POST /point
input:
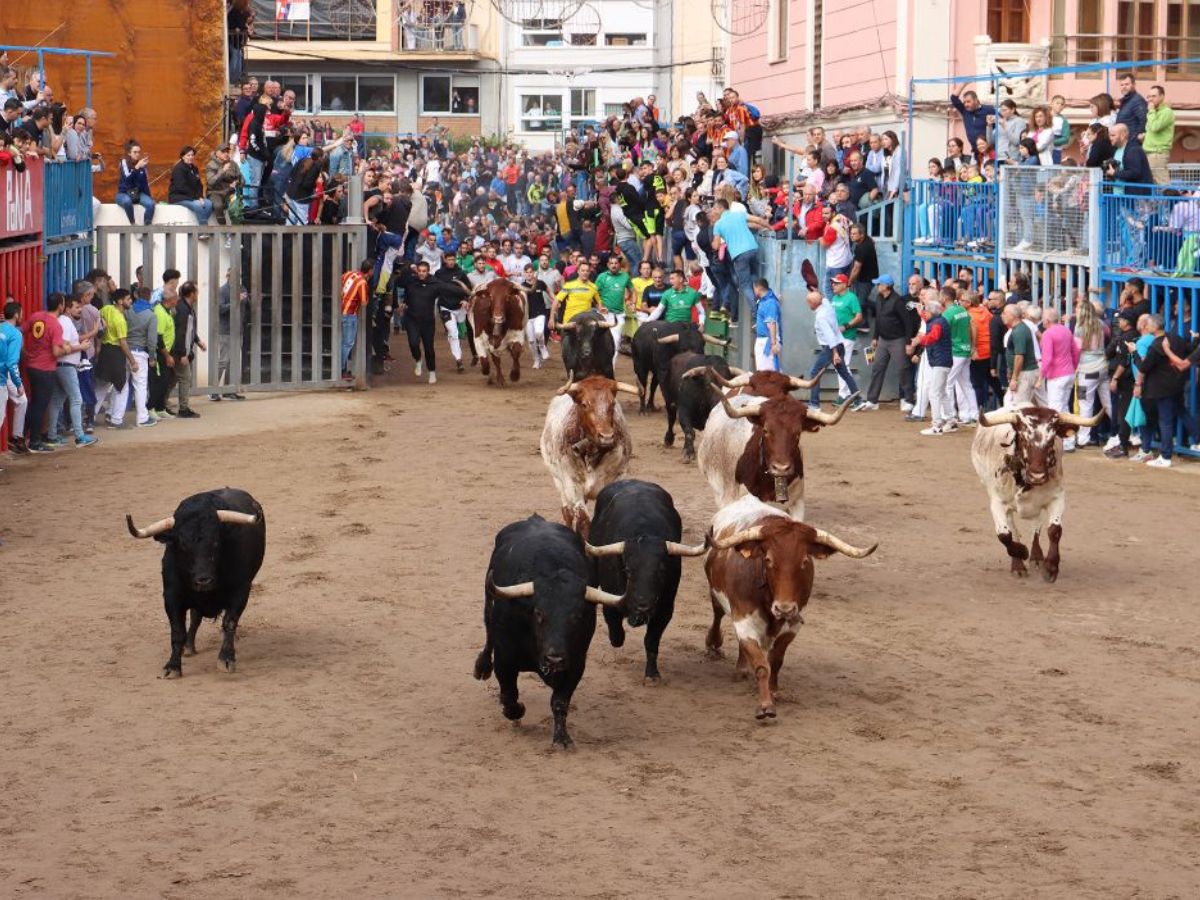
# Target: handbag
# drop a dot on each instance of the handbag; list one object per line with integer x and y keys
{"x": 1135, "y": 416}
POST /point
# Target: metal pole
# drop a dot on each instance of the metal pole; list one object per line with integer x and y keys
{"x": 88, "y": 60}
{"x": 354, "y": 201}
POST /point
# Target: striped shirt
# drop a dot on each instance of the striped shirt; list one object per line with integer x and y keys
{"x": 354, "y": 293}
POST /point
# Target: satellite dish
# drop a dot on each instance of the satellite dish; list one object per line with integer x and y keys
{"x": 740, "y": 18}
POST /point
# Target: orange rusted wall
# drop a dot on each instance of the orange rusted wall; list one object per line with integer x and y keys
{"x": 165, "y": 86}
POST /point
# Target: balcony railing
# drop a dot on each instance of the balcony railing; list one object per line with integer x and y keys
{"x": 1151, "y": 230}
{"x": 67, "y": 191}
{"x": 1091, "y": 49}
{"x": 954, "y": 217}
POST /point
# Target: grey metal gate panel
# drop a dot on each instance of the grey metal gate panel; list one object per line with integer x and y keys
{"x": 287, "y": 332}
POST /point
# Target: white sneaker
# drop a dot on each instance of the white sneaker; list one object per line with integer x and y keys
{"x": 1069, "y": 445}
{"x": 1135, "y": 440}
{"x": 1141, "y": 456}
{"x": 545, "y": 353}
{"x": 867, "y": 406}
{"x": 1195, "y": 448}
{"x": 1161, "y": 463}
{"x": 935, "y": 430}
{"x": 537, "y": 362}
{"x": 1113, "y": 442}
{"x": 433, "y": 377}
{"x": 417, "y": 369}
{"x": 905, "y": 406}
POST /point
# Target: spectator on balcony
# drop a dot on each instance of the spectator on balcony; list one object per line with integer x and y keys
{"x": 1061, "y": 126}
{"x": 10, "y": 116}
{"x": 873, "y": 162}
{"x": 735, "y": 153}
{"x": 8, "y": 82}
{"x": 133, "y": 187}
{"x": 10, "y": 154}
{"x": 1041, "y": 132}
{"x": 302, "y": 186}
{"x": 974, "y": 114}
{"x": 1133, "y": 110}
{"x": 809, "y": 213}
{"x": 187, "y": 189}
{"x": 1101, "y": 108}
{"x": 1160, "y": 134}
{"x": 240, "y": 26}
{"x": 224, "y": 178}
{"x": 1129, "y": 163}
{"x": 957, "y": 157}
{"x": 1098, "y": 143}
{"x": 1009, "y": 132}
{"x": 39, "y": 126}
{"x": 864, "y": 188}
{"x": 984, "y": 153}
{"x": 245, "y": 102}
{"x": 895, "y": 166}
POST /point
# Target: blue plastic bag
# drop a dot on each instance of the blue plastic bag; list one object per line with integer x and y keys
{"x": 1135, "y": 416}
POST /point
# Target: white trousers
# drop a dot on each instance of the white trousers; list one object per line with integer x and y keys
{"x": 20, "y": 403}
{"x": 456, "y": 316}
{"x": 847, "y": 356}
{"x": 939, "y": 395}
{"x": 617, "y": 320}
{"x": 962, "y": 394}
{"x": 1058, "y": 392}
{"x": 921, "y": 406}
{"x": 535, "y": 334}
{"x": 763, "y": 360}
{"x": 1088, "y": 388}
{"x": 139, "y": 381}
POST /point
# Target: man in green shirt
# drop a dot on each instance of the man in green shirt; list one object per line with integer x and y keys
{"x": 849, "y": 317}
{"x": 1160, "y": 134}
{"x": 678, "y": 300}
{"x": 1021, "y": 351}
{"x": 958, "y": 385}
{"x": 616, "y": 292}
{"x": 160, "y": 368}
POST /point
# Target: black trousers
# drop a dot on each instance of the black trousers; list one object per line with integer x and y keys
{"x": 1121, "y": 401}
{"x": 41, "y": 386}
{"x": 988, "y": 392}
{"x": 158, "y": 384}
{"x": 420, "y": 334}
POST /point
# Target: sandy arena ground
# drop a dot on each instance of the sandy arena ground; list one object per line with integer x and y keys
{"x": 946, "y": 732}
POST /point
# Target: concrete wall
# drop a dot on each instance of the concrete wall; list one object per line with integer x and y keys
{"x": 164, "y": 87}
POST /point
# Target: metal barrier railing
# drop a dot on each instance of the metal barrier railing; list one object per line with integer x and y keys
{"x": 67, "y": 196}
{"x": 883, "y": 221}
{"x": 954, "y": 215}
{"x": 1048, "y": 211}
{"x": 1150, "y": 230}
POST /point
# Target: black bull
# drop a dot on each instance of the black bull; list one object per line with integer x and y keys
{"x": 690, "y": 393}
{"x": 213, "y": 548}
{"x": 653, "y": 347}
{"x": 587, "y": 346}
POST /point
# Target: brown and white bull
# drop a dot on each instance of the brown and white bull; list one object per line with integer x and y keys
{"x": 760, "y": 574}
{"x": 751, "y": 445}
{"x": 498, "y": 315}
{"x": 585, "y": 443}
{"x": 1017, "y": 454}
{"x": 766, "y": 384}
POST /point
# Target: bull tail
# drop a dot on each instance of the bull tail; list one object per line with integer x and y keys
{"x": 483, "y": 662}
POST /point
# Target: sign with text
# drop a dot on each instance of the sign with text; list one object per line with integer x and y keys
{"x": 21, "y": 199}
{"x": 291, "y": 10}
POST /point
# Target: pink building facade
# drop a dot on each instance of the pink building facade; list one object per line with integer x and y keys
{"x": 844, "y": 63}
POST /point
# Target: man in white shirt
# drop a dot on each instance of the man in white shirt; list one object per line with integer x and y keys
{"x": 66, "y": 382}
{"x": 428, "y": 252}
{"x": 829, "y": 337}
{"x": 514, "y": 265}
{"x": 549, "y": 275}
{"x": 483, "y": 274}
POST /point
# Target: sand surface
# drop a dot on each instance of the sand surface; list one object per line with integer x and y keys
{"x": 945, "y": 731}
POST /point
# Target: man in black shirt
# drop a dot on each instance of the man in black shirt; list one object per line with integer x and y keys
{"x": 423, "y": 297}
{"x": 864, "y": 270}
{"x": 896, "y": 324}
{"x": 454, "y": 309}
{"x": 861, "y": 181}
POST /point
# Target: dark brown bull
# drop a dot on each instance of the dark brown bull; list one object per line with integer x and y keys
{"x": 769, "y": 385}
{"x": 498, "y": 315}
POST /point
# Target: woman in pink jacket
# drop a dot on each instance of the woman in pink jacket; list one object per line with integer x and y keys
{"x": 1060, "y": 359}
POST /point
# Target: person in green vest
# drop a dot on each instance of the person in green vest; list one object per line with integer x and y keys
{"x": 160, "y": 372}
{"x": 959, "y": 392}
{"x": 849, "y": 317}
{"x": 678, "y": 300}
{"x": 1160, "y": 134}
{"x": 616, "y": 293}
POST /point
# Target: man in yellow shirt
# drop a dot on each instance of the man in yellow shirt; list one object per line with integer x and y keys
{"x": 114, "y": 361}
{"x": 577, "y": 295}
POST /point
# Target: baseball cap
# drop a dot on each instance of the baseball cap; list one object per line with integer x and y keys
{"x": 730, "y": 135}
{"x": 885, "y": 279}
{"x": 841, "y": 279}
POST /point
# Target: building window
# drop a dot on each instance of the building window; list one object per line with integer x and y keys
{"x": 1008, "y": 21}
{"x": 1089, "y": 28}
{"x": 317, "y": 20}
{"x": 301, "y": 85}
{"x": 541, "y": 112}
{"x": 614, "y": 109}
{"x": 365, "y": 93}
{"x": 1183, "y": 24}
{"x": 777, "y": 30}
{"x": 450, "y": 95}
{"x": 627, "y": 39}
{"x": 583, "y": 103}
{"x": 1136, "y": 30}
{"x": 542, "y": 33}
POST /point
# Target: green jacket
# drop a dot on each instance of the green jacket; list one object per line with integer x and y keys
{"x": 166, "y": 331}
{"x": 1160, "y": 130}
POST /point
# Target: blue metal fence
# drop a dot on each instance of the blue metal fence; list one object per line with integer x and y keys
{"x": 1153, "y": 232}
{"x": 67, "y": 261}
{"x": 67, "y": 192}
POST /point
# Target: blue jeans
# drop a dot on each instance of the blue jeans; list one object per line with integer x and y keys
{"x": 633, "y": 255}
{"x": 1172, "y": 412}
{"x": 745, "y": 270}
{"x": 201, "y": 209}
{"x": 349, "y": 336}
{"x": 824, "y": 358}
{"x": 722, "y": 278}
{"x": 298, "y": 212}
{"x": 582, "y": 187}
{"x": 66, "y": 388}
{"x": 144, "y": 200}
{"x": 254, "y": 182}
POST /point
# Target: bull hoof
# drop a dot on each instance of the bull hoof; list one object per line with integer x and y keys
{"x": 1050, "y": 574}
{"x": 1019, "y": 570}
{"x": 616, "y": 638}
{"x": 514, "y": 376}
{"x": 228, "y": 666}
{"x": 713, "y": 653}
{"x": 514, "y": 713}
{"x": 563, "y": 742}
{"x": 483, "y": 666}
{"x": 189, "y": 649}
{"x": 652, "y": 681}
{"x": 765, "y": 712}
{"x": 485, "y": 367}
{"x": 688, "y": 458}
{"x": 669, "y": 441}
{"x": 169, "y": 673}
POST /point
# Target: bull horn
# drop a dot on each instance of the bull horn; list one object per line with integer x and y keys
{"x": 229, "y": 517}
{"x": 669, "y": 339}
{"x": 715, "y": 340}
{"x": 739, "y": 372}
{"x": 628, "y": 388}
{"x": 742, "y": 379}
{"x": 512, "y": 592}
{"x": 604, "y": 549}
{"x": 1004, "y": 417}
{"x": 150, "y": 530}
{"x": 831, "y": 418}
{"x": 803, "y": 384}
{"x": 745, "y": 536}
{"x": 824, "y": 537}
{"x": 565, "y": 388}
{"x": 696, "y": 371}
{"x": 674, "y": 549}
{"x": 568, "y": 326}
{"x": 595, "y": 595}
{"x": 744, "y": 412}
{"x": 1077, "y": 421}
{"x": 605, "y": 324}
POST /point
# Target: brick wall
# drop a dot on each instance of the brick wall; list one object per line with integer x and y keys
{"x": 459, "y": 126}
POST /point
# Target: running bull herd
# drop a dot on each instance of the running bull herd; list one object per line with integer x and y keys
{"x": 545, "y": 580}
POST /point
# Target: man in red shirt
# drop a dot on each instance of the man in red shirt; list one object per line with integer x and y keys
{"x": 43, "y": 346}
{"x": 354, "y": 298}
